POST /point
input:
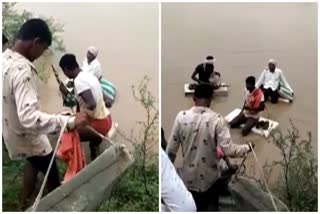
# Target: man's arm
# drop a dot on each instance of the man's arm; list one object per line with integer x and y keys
{"x": 224, "y": 140}
{"x": 194, "y": 75}
{"x": 174, "y": 194}
{"x": 97, "y": 71}
{"x": 261, "y": 79}
{"x": 174, "y": 140}
{"x": 28, "y": 110}
{"x": 88, "y": 98}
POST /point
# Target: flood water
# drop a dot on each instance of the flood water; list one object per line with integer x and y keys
{"x": 127, "y": 36}
{"x": 242, "y": 37}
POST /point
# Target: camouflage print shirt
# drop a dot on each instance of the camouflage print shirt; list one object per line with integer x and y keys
{"x": 199, "y": 131}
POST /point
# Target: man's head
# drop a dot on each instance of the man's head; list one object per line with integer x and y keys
{"x": 92, "y": 53}
{"x": 34, "y": 37}
{"x": 68, "y": 63}
{"x": 210, "y": 61}
{"x": 272, "y": 65}
{"x": 203, "y": 95}
{"x": 250, "y": 83}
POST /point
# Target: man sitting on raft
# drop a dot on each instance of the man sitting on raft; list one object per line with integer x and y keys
{"x": 206, "y": 73}
{"x": 253, "y": 105}
{"x": 273, "y": 83}
{"x": 91, "y": 101}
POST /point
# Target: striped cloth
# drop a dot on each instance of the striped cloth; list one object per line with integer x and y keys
{"x": 284, "y": 92}
{"x": 108, "y": 89}
{"x": 70, "y": 100}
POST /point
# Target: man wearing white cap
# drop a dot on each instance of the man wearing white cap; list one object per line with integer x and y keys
{"x": 91, "y": 63}
{"x": 206, "y": 73}
{"x": 270, "y": 81}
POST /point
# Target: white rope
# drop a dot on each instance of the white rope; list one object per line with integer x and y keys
{"x": 264, "y": 180}
{"x": 100, "y": 135}
{"x": 36, "y": 202}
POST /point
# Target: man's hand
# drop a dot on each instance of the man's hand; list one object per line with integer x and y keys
{"x": 81, "y": 120}
{"x": 220, "y": 153}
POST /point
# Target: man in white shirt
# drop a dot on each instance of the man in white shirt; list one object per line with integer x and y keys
{"x": 91, "y": 101}
{"x": 270, "y": 80}
{"x": 25, "y": 126}
{"x": 174, "y": 195}
{"x": 91, "y": 63}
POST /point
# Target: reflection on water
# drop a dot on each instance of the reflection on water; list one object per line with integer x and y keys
{"x": 242, "y": 37}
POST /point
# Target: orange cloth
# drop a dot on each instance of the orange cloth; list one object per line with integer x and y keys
{"x": 71, "y": 152}
{"x": 254, "y": 98}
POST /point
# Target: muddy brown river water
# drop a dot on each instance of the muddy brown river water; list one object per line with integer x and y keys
{"x": 242, "y": 37}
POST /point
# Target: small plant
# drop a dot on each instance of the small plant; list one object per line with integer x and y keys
{"x": 138, "y": 190}
{"x": 12, "y": 20}
{"x": 297, "y": 184}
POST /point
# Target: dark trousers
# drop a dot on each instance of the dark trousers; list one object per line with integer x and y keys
{"x": 41, "y": 163}
{"x": 209, "y": 200}
{"x": 274, "y": 96}
{"x": 248, "y": 122}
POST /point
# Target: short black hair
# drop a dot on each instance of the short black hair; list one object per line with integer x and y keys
{"x": 203, "y": 91}
{"x": 4, "y": 39}
{"x": 35, "y": 28}
{"x": 209, "y": 58}
{"x": 68, "y": 61}
{"x": 251, "y": 80}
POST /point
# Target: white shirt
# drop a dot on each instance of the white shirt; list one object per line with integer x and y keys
{"x": 86, "y": 81}
{"x": 272, "y": 79}
{"x": 24, "y": 124}
{"x": 94, "y": 67}
{"x": 174, "y": 194}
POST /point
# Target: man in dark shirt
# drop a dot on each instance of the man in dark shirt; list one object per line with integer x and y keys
{"x": 206, "y": 74}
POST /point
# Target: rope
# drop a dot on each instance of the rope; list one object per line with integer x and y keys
{"x": 263, "y": 178}
{"x": 100, "y": 135}
{"x": 36, "y": 202}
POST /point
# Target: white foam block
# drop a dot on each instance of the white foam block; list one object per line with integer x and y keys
{"x": 222, "y": 91}
{"x": 266, "y": 133}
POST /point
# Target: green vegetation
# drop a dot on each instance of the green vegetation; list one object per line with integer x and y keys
{"x": 297, "y": 183}
{"x": 139, "y": 188}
